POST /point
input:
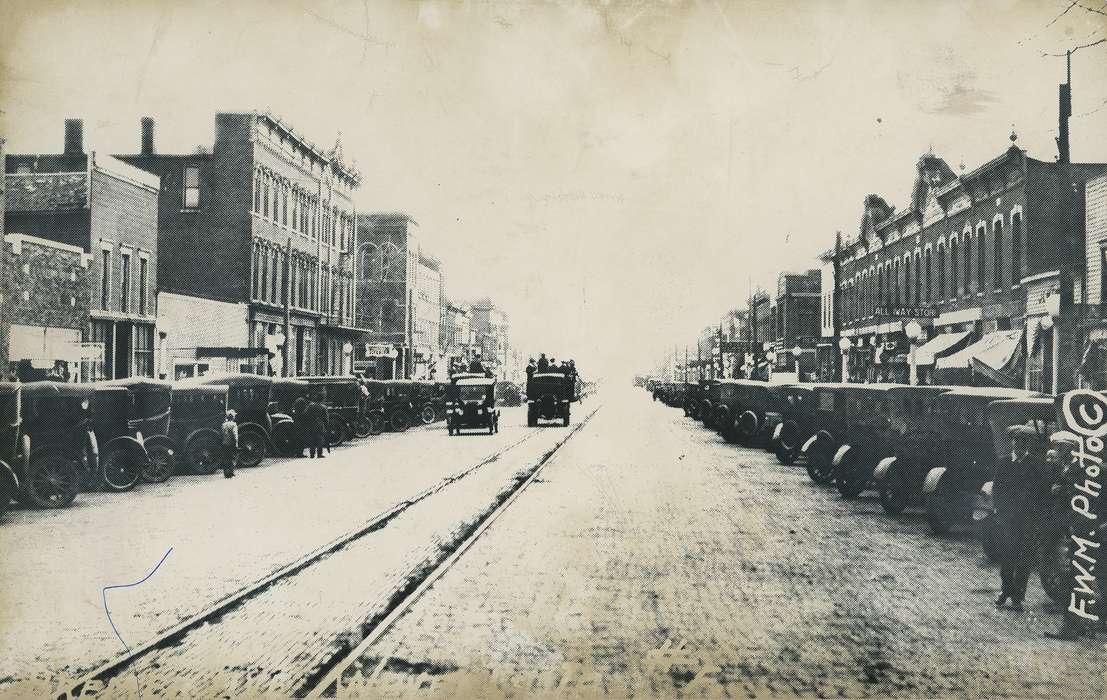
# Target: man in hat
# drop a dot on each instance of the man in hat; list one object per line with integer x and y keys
{"x": 1016, "y": 492}
{"x": 230, "y": 444}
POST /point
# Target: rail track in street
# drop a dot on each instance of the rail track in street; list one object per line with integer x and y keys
{"x": 112, "y": 677}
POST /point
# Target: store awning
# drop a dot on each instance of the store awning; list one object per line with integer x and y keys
{"x": 940, "y": 346}
{"x": 996, "y": 350}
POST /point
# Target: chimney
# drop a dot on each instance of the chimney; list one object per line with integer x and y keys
{"x": 74, "y": 137}
{"x": 147, "y": 136}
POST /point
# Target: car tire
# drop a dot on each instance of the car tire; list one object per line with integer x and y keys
{"x": 377, "y": 423}
{"x": 943, "y": 510}
{"x": 252, "y": 448}
{"x": 202, "y": 451}
{"x": 121, "y": 468}
{"x": 53, "y": 479}
{"x": 819, "y": 465}
{"x": 893, "y": 492}
{"x": 399, "y": 421}
{"x": 163, "y": 460}
{"x": 428, "y": 415}
{"x": 337, "y": 430}
{"x": 363, "y": 428}
{"x": 785, "y": 455}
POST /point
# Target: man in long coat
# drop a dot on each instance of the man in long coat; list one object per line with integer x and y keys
{"x": 1017, "y": 494}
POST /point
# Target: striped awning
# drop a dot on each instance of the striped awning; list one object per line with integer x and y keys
{"x": 940, "y": 346}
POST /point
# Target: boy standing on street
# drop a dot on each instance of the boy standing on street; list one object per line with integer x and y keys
{"x": 230, "y": 444}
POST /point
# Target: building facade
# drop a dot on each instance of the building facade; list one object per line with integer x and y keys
{"x": 983, "y": 262}
{"x": 84, "y": 226}
{"x": 798, "y": 320}
{"x": 492, "y": 327}
{"x": 387, "y": 265}
{"x": 262, "y": 226}
{"x": 430, "y": 304}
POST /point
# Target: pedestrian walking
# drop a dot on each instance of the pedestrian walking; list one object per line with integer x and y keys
{"x": 1016, "y": 491}
{"x": 230, "y": 444}
{"x": 315, "y": 417}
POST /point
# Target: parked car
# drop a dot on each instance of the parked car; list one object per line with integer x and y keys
{"x": 15, "y": 446}
{"x": 470, "y": 404}
{"x": 249, "y": 396}
{"x": 866, "y": 440}
{"x": 120, "y": 453}
{"x": 57, "y": 428}
{"x": 797, "y": 422}
{"x": 548, "y": 398}
{"x": 915, "y": 444}
{"x": 950, "y": 488}
{"x": 346, "y": 407}
{"x": 747, "y": 411}
{"x": 709, "y": 398}
{"x": 429, "y": 401}
{"x": 826, "y": 418}
{"x": 148, "y": 421}
{"x": 195, "y": 425}
{"x": 393, "y": 400}
{"x": 692, "y": 398}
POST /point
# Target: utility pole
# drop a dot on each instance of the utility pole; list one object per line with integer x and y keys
{"x": 287, "y": 306}
{"x": 835, "y": 306}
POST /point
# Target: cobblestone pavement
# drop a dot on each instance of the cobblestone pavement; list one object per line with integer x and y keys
{"x": 653, "y": 559}
{"x": 225, "y": 534}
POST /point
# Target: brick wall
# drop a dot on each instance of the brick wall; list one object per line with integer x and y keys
{"x": 126, "y": 215}
{"x": 44, "y": 284}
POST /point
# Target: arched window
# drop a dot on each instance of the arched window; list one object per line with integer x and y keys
{"x": 918, "y": 278}
{"x": 941, "y": 267}
{"x": 257, "y": 191}
{"x": 895, "y": 281}
{"x": 1016, "y": 249}
{"x": 265, "y": 196}
{"x": 907, "y": 284}
{"x": 392, "y": 263}
{"x": 927, "y": 266}
{"x": 954, "y": 272}
{"x": 997, "y": 253}
{"x": 966, "y": 251}
{"x": 981, "y": 259}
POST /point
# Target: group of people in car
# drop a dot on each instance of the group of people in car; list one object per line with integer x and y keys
{"x": 545, "y": 366}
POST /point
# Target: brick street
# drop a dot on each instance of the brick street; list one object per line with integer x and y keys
{"x": 653, "y": 559}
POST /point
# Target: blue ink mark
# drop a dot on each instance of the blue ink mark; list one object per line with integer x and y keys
{"x": 104, "y": 597}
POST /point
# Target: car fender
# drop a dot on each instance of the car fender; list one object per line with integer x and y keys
{"x": 756, "y": 420}
{"x": 883, "y": 467}
{"x": 810, "y": 441}
{"x": 201, "y": 431}
{"x": 778, "y": 430}
{"x": 932, "y": 478}
{"x": 126, "y": 442}
{"x": 840, "y": 455}
{"x": 7, "y": 473}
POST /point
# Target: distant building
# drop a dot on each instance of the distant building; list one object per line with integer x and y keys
{"x": 798, "y": 319}
{"x": 430, "y": 304}
{"x": 81, "y": 239}
{"x": 387, "y": 280}
{"x": 258, "y": 236}
{"x": 492, "y": 327}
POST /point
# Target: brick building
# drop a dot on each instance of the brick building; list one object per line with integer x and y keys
{"x": 430, "y": 308}
{"x": 984, "y": 261}
{"x": 1093, "y": 368}
{"x": 258, "y": 235}
{"x": 798, "y": 319}
{"x": 387, "y": 265}
{"x": 104, "y": 212}
{"x": 493, "y": 329}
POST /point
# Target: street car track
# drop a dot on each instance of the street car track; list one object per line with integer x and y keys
{"x": 212, "y": 614}
{"x": 324, "y": 683}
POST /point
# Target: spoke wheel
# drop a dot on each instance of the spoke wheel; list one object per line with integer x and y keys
{"x": 122, "y": 469}
{"x": 819, "y": 466}
{"x": 53, "y": 480}
{"x": 428, "y": 415}
{"x": 336, "y": 430}
{"x": 251, "y": 448}
{"x": 162, "y": 461}
{"x": 202, "y": 452}
{"x": 363, "y": 428}
{"x": 376, "y": 424}
{"x": 893, "y": 493}
{"x": 398, "y": 421}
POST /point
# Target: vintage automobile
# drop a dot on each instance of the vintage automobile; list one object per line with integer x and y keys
{"x": 796, "y": 421}
{"x": 249, "y": 396}
{"x": 148, "y": 420}
{"x": 548, "y": 397}
{"x": 15, "y": 446}
{"x": 825, "y": 415}
{"x": 342, "y": 397}
{"x": 692, "y": 398}
{"x": 968, "y": 458}
{"x": 195, "y": 426}
{"x": 709, "y": 398}
{"x": 868, "y": 437}
{"x": 120, "y": 455}
{"x": 747, "y": 411}
{"x": 914, "y": 443}
{"x": 57, "y": 429}
{"x": 429, "y": 401}
{"x": 1040, "y": 416}
{"x": 471, "y": 404}
{"x": 394, "y": 401}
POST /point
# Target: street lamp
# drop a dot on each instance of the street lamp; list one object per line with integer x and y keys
{"x": 796, "y": 356}
{"x": 844, "y": 345}
{"x": 914, "y": 331}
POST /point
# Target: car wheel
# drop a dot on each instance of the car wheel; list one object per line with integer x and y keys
{"x": 399, "y": 421}
{"x": 850, "y": 479}
{"x": 202, "y": 452}
{"x": 363, "y": 428}
{"x": 943, "y": 509}
{"x": 286, "y": 438}
{"x": 337, "y": 430}
{"x": 122, "y": 468}
{"x": 785, "y": 455}
{"x": 251, "y": 448}
{"x": 893, "y": 492}
{"x": 53, "y": 479}
{"x": 428, "y": 415}
{"x": 376, "y": 423}
{"x": 819, "y": 466}
{"x": 162, "y": 460}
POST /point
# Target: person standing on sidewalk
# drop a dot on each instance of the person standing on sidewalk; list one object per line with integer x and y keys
{"x": 315, "y": 417}
{"x": 1016, "y": 492}
{"x": 230, "y": 444}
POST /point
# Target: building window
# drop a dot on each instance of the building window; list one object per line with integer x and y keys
{"x": 105, "y": 279}
{"x": 1016, "y": 249}
{"x": 274, "y": 278}
{"x": 143, "y": 284}
{"x": 929, "y": 291}
{"x": 896, "y": 295}
{"x": 966, "y": 251}
{"x": 997, "y": 254}
{"x": 284, "y": 205}
{"x": 941, "y": 266}
{"x": 954, "y": 273}
{"x": 191, "y": 187}
{"x": 918, "y": 279}
{"x": 981, "y": 259}
{"x": 257, "y": 191}
{"x": 144, "y": 350}
{"x": 265, "y": 196}
{"x": 125, "y": 284}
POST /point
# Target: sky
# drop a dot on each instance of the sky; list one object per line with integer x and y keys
{"x": 615, "y": 175}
